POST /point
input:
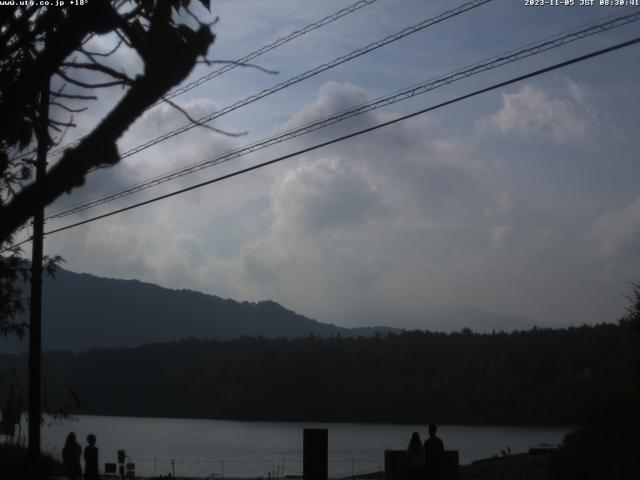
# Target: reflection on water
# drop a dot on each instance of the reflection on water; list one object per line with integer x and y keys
{"x": 253, "y": 449}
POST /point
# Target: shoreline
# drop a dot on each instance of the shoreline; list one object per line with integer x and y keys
{"x": 543, "y": 425}
{"x": 520, "y": 466}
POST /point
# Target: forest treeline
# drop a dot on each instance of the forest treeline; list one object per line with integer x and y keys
{"x": 541, "y": 376}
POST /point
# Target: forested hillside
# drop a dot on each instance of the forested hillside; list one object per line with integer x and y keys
{"x": 82, "y": 311}
{"x": 532, "y": 377}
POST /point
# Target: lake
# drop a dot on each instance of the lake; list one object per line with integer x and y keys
{"x": 201, "y": 448}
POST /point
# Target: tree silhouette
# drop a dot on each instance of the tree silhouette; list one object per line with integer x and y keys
{"x": 606, "y": 445}
{"x": 537, "y": 377}
{"x": 38, "y": 44}
{"x": 632, "y": 318}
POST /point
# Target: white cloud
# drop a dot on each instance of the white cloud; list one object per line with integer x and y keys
{"x": 326, "y": 194}
{"x": 513, "y": 215}
{"x": 192, "y": 147}
{"x": 310, "y": 254}
{"x": 333, "y": 97}
{"x": 380, "y": 229}
{"x": 617, "y": 234}
{"x": 565, "y": 118}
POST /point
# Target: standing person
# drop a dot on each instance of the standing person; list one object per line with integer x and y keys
{"x": 71, "y": 457}
{"x": 433, "y": 454}
{"x": 415, "y": 457}
{"x": 91, "y": 459}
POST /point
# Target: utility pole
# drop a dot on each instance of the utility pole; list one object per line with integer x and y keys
{"x": 35, "y": 308}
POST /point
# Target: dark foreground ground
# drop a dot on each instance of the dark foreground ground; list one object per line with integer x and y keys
{"x": 517, "y": 467}
{"x": 521, "y": 466}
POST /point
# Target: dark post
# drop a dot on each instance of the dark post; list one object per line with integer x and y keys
{"x": 315, "y": 456}
{"x": 121, "y": 459}
{"x": 35, "y": 309}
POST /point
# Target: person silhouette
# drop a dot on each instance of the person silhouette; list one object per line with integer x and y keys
{"x": 71, "y": 457}
{"x": 433, "y": 454}
{"x": 415, "y": 457}
{"x": 91, "y": 459}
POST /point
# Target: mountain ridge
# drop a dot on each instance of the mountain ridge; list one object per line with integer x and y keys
{"x": 83, "y": 311}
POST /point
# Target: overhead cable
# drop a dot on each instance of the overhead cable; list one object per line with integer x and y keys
{"x": 308, "y": 74}
{"x": 535, "y": 73}
{"x": 494, "y": 62}
{"x": 249, "y": 57}
{"x": 267, "y": 48}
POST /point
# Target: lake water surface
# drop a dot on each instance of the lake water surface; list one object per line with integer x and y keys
{"x": 201, "y": 448}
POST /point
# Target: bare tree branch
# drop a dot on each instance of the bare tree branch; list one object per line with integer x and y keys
{"x": 163, "y": 44}
{"x": 68, "y": 109}
{"x": 97, "y": 17}
{"x": 57, "y": 142}
{"x": 102, "y": 54}
{"x": 133, "y": 13}
{"x": 201, "y": 124}
{"x": 62, "y": 124}
{"x": 89, "y": 86}
{"x": 239, "y": 64}
{"x": 100, "y": 68}
{"x": 74, "y": 97}
{"x": 200, "y": 22}
{"x": 123, "y": 39}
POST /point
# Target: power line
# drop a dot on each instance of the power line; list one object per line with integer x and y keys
{"x": 249, "y": 57}
{"x": 267, "y": 48}
{"x": 606, "y": 23}
{"x": 354, "y": 134}
{"x": 479, "y": 67}
{"x": 308, "y": 74}
{"x": 344, "y": 137}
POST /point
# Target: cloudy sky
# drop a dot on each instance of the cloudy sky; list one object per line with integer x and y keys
{"x": 524, "y": 201}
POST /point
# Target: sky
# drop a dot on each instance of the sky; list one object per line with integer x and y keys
{"x": 524, "y": 201}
